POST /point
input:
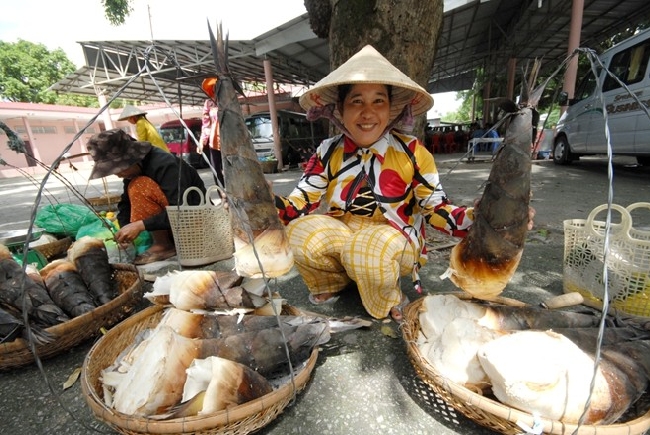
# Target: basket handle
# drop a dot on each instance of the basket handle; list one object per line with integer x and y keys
{"x": 644, "y": 233}
{"x": 196, "y": 189}
{"x": 622, "y": 227}
{"x": 208, "y": 195}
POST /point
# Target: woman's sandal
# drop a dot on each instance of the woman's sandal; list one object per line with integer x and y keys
{"x": 327, "y": 301}
{"x": 397, "y": 312}
{"x": 148, "y": 257}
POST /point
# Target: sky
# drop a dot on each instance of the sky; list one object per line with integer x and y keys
{"x": 62, "y": 23}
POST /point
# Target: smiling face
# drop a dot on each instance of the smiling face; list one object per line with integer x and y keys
{"x": 365, "y": 110}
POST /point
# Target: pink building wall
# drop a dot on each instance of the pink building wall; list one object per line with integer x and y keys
{"x": 49, "y": 129}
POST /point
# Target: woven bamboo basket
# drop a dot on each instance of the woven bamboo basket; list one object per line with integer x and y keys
{"x": 68, "y": 334}
{"x": 487, "y": 410}
{"x": 54, "y": 249}
{"x": 107, "y": 201}
{"x": 238, "y": 420}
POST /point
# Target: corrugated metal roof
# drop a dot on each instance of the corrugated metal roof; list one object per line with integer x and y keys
{"x": 475, "y": 34}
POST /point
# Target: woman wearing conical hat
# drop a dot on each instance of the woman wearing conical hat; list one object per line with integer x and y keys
{"x": 144, "y": 129}
{"x": 381, "y": 186}
{"x": 153, "y": 180}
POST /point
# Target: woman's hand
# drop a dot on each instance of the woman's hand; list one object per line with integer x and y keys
{"x": 222, "y": 200}
{"x": 531, "y": 216}
{"x": 128, "y": 233}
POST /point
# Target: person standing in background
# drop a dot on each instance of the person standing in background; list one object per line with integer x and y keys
{"x": 450, "y": 140}
{"x": 477, "y": 133}
{"x": 491, "y": 133}
{"x": 460, "y": 138}
{"x": 210, "y": 130}
{"x": 144, "y": 130}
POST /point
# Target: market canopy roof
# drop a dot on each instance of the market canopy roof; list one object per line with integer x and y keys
{"x": 475, "y": 34}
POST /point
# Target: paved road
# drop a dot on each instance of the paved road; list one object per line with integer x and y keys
{"x": 363, "y": 382}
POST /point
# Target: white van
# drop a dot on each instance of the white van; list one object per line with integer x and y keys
{"x": 581, "y": 129}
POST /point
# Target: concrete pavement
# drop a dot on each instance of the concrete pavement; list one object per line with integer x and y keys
{"x": 363, "y": 382}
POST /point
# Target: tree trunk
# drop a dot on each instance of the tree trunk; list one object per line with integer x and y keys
{"x": 405, "y": 32}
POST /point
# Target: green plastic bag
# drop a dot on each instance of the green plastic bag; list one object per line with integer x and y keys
{"x": 64, "y": 219}
{"x": 142, "y": 242}
{"x": 100, "y": 231}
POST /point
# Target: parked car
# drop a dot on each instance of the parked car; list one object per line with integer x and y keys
{"x": 581, "y": 129}
{"x": 181, "y": 143}
{"x": 298, "y": 136}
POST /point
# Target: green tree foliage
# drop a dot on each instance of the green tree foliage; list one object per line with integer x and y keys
{"x": 76, "y": 100}
{"x": 117, "y": 10}
{"x": 28, "y": 69}
{"x": 463, "y": 115}
{"x": 548, "y": 102}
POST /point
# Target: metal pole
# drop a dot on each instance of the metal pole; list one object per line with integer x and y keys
{"x": 574, "y": 42}
{"x": 512, "y": 71}
{"x": 268, "y": 73}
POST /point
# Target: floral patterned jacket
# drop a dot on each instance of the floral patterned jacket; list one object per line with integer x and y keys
{"x": 400, "y": 175}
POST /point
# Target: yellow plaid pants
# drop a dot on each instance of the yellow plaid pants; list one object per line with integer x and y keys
{"x": 330, "y": 252}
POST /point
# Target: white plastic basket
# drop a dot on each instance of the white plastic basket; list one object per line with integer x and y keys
{"x": 628, "y": 260}
{"x": 202, "y": 233}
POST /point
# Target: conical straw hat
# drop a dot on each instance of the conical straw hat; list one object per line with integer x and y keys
{"x": 114, "y": 151}
{"x": 130, "y": 111}
{"x": 369, "y": 66}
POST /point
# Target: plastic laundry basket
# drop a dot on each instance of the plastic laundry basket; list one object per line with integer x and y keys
{"x": 628, "y": 259}
{"x": 202, "y": 233}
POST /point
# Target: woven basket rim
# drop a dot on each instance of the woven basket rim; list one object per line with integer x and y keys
{"x": 109, "y": 199}
{"x": 460, "y": 397}
{"x": 82, "y": 325}
{"x": 220, "y": 422}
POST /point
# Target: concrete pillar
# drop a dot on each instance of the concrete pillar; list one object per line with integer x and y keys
{"x": 82, "y": 145}
{"x": 574, "y": 42}
{"x": 268, "y": 73}
{"x": 32, "y": 142}
{"x": 106, "y": 116}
